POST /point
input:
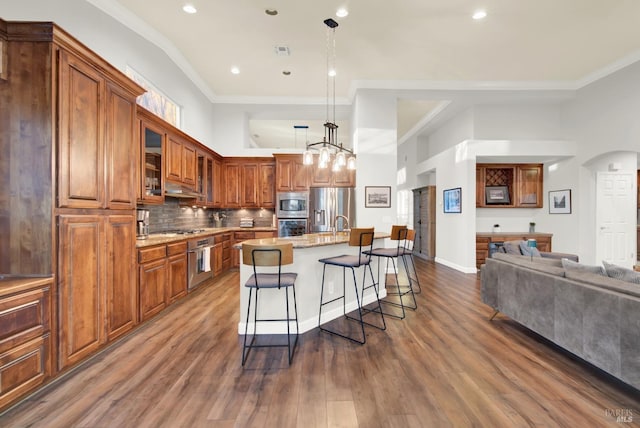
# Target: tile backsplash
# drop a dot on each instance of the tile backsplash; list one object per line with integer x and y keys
{"x": 171, "y": 216}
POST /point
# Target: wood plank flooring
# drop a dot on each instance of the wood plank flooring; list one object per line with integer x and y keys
{"x": 444, "y": 365}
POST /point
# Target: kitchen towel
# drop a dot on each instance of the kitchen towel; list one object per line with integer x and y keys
{"x": 206, "y": 259}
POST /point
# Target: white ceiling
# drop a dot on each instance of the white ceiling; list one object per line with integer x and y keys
{"x": 399, "y": 44}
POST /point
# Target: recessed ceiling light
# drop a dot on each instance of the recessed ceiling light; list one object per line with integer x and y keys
{"x": 271, "y": 12}
{"x": 332, "y": 72}
{"x": 342, "y": 12}
{"x": 189, "y": 8}
{"x": 235, "y": 70}
{"x": 479, "y": 14}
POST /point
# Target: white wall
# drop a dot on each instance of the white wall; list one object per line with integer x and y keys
{"x": 374, "y": 136}
{"x": 517, "y": 122}
{"x": 121, "y": 47}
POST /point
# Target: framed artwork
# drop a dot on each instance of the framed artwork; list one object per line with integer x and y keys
{"x": 496, "y": 195}
{"x": 377, "y": 196}
{"x": 560, "y": 201}
{"x": 452, "y": 200}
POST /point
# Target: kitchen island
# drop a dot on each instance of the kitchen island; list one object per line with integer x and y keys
{"x": 307, "y": 250}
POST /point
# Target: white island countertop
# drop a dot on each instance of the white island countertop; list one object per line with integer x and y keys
{"x": 307, "y": 250}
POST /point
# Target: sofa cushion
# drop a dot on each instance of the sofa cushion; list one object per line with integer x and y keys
{"x": 575, "y": 266}
{"x": 606, "y": 282}
{"x": 550, "y": 266}
{"x": 621, "y": 273}
{"x": 528, "y": 251}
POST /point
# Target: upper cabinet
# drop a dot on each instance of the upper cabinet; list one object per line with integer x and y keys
{"x": 291, "y": 174}
{"x": 249, "y": 183}
{"x": 96, "y": 151}
{"x": 509, "y": 185}
{"x": 152, "y": 141}
{"x": 180, "y": 161}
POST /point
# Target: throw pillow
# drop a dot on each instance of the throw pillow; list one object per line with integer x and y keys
{"x": 621, "y": 273}
{"x": 575, "y": 266}
{"x": 512, "y": 247}
{"x": 528, "y": 251}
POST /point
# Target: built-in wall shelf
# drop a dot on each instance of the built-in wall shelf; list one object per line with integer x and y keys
{"x": 509, "y": 185}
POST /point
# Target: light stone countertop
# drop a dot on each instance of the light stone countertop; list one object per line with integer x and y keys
{"x": 309, "y": 240}
{"x": 165, "y": 238}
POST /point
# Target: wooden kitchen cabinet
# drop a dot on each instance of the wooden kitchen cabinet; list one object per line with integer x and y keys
{"x": 122, "y": 298}
{"x": 266, "y": 185}
{"x": 96, "y": 288}
{"x": 176, "y": 271}
{"x": 81, "y": 287}
{"x": 96, "y": 153}
{"x": 162, "y": 277}
{"x": 151, "y": 164}
{"x": 152, "y": 280}
{"x": 180, "y": 161}
{"x": 218, "y": 183}
{"x": 249, "y": 183}
{"x": 25, "y": 336}
{"x": 291, "y": 174}
{"x": 232, "y": 180}
{"x": 524, "y": 183}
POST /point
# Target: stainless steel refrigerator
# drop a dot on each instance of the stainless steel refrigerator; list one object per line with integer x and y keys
{"x": 330, "y": 207}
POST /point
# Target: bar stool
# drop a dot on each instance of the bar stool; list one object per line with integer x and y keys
{"x": 399, "y": 234}
{"x": 264, "y": 256}
{"x": 361, "y": 238}
{"x": 412, "y": 274}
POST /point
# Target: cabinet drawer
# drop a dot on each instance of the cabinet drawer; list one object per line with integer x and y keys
{"x": 219, "y": 238}
{"x": 153, "y": 253}
{"x": 23, "y": 317}
{"x": 176, "y": 248}
{"x": 23, "y": 368}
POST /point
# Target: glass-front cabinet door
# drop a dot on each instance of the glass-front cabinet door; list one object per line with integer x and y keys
{"x": 152, "y": 142}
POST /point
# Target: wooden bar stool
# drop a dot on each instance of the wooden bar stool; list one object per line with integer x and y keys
{"x": 361, "y": 238}
{"x": 407, "y": 254}
{"x": 398, "y": 234}
{"x": 265, "y": 278}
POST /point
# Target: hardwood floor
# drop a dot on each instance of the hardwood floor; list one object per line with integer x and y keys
{"x": 444, "y": 365}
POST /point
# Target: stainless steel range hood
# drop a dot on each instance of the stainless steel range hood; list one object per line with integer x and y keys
{"x": 178, "y": 191}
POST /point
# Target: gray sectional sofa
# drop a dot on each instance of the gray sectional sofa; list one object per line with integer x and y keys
{"x": 593, "y": 316}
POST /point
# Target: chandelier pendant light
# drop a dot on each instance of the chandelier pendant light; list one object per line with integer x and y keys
{"x": 329, "y": 147}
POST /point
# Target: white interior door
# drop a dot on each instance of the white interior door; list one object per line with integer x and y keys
{"x": 616, "y": 218}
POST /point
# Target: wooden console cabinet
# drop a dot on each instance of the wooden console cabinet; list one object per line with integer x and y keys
{"x": 483, "y": 241}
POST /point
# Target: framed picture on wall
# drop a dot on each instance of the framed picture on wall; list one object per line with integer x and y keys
{"x": 560, "y": 201}
{"x": 452, "y": 200}
{"x": 377, "y": 196}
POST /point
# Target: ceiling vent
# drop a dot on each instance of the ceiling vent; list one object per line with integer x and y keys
{"x": 282, "y": 50}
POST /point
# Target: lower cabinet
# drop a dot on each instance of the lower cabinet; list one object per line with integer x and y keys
{"x": 96, "y": 290}
{"x": 162, "y": 277}
{"x": 176, "y": 271}
{"x": 25, "y": 336}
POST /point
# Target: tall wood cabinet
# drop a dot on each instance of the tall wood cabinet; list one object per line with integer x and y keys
{"x": 72, "y": 125}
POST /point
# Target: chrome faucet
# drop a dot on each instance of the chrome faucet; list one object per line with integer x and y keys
{"x": 345, "y": 218}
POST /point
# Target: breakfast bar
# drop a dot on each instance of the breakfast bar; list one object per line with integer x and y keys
{"x": 307, "y": 250}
